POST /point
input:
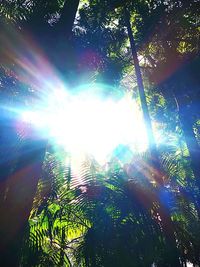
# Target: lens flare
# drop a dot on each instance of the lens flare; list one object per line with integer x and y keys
{"x": 91, "y": 119}
{"x": 87, "y": 123}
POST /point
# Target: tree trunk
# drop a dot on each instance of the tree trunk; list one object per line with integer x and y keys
{"x": 164, "y": 213}
{"x": 147, "y": 119}
{"x": 67, "y": 17}
{"x": 192, "y": 145}
{"x": 20, "y": 169}
{"x": 21, "y": 166}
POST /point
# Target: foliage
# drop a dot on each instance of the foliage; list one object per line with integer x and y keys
{"x": 114, "y": 216}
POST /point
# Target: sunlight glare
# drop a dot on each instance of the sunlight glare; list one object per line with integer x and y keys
{"x": 86, "y": 123}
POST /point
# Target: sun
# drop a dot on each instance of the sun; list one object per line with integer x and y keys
{"x": 86, "y": 122}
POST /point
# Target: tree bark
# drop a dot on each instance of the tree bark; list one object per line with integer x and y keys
{"x": 21, "y": 165}
{"x": 147, "y": 119}
{"x": 173, "y": 259}
{"x": 67, "y": 17}
{"x": 192, "y": 145}
{"x": 17, "y": 193}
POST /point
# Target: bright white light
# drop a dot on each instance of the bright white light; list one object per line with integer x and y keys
{"x": 86, "y": 123}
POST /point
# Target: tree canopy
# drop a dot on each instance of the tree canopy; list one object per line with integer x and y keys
{"x": 136, "y": 209}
